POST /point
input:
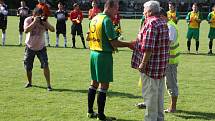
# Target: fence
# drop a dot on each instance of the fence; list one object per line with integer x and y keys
{"x": 125, "y": 15}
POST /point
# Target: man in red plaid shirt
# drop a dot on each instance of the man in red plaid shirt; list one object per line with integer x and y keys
{"x": 150, "y": 57}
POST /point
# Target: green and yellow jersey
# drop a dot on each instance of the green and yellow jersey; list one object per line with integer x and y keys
{"x": 101, "y": 32}
{"x": 211, "y": 19}
{"x": 194, "y": 19}
{"x": 173, "y": 16}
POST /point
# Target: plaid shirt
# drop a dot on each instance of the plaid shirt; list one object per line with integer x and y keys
{"x": 155, "y": 38}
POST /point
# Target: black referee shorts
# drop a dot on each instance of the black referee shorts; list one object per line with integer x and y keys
{"x": 76, "y": 29}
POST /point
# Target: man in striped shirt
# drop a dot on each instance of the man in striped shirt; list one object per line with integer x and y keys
{"x": 150, "y": 57}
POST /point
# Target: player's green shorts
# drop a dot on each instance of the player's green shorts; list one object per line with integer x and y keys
{"x": 101, "y": 66}
{"x": 193, "y": 33}
{"x": 211, "y": 34}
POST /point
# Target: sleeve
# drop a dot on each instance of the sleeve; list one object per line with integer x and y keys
{"x": 17, "y": 11}
{"x": 26, "y": 23}
{"x": 81, "y": 16}
{"x": 109, "y": 29}
{"x": 71, "y": 15}
{"x": 200, "y": 16}
{"x": 177, "y": 15}
{"x": 55, "y": 14}
{"x": 172, "y": 33}
{"x": 188, "y": 17}
{"x": 149, "y": 37}
{"x": 142, "y": 20}
{"x": 66, "y": 15}
{"x": 209, "y": 17}
{"x": 89, "y": 14}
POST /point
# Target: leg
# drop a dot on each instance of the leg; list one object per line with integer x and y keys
{"x": 3, "y": 36}
{"x": 150, "y": 95}
{"x": 172, "y": 86}
{"x": 82, "y": 39}
{"x": 91, "y": 98}
{"x": 43, "y": 57}
{"x": 197, "y": 46}
{"x": 65, "y": 40}
{"x": 73, "y": 32}
{"x": 210, "y": 46}
{"x": 47, "y": 38}
{"x": 73, "y": 41}
{"x": 188, "y": 45}
{"x": 46, "y": 72}
{"x": 160, "y": 101}
{"x": 101, "y": 99}
{"x": 57, "y": 40}
{"x": 20, "y": 38}
{"x": 28, "y": 64}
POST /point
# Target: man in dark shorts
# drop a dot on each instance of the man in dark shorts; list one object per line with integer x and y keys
{"x": 34, "y": 27}
{"x": 22, "y": 12}
{"x": 61, "y": 15}
{"x": 76, "y": 17}
{"x": 3, "y": 20}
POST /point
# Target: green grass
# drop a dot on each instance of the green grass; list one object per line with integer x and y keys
{"x": 70, "y": 79}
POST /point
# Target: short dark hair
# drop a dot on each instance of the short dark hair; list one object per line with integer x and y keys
{"x": 196, "y": 4}
{"x": 163, "y": 12}
{"x": 109, "y": 3}
{"x": 172, "y": 3}
{"x": 38, "y": 10}
{"x": 75, "y": 5}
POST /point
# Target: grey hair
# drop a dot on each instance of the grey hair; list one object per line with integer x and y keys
{"x": 153, "y": 6}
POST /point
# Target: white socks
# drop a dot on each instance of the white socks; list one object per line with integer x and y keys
{"x": 47, "y": 37}
{"x": 3, "y": 38}
{"x": 20, "y": 38}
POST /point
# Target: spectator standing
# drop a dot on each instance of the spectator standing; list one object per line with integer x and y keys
{"x": 76, "y": 17}
{"x": 3, "y": 20}
{"x": 61, "y": 15}
{"x": 22, "y": 12}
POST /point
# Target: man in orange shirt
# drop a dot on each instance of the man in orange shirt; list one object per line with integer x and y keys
{"x": 94, "y": 11}
{"x": 76, "y": 17}
{"x": 46, "y": 13}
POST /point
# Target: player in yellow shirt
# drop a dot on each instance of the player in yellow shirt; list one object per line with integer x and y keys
{"x": 211, "y": 34}
{"x": 193, "y": 19}
{"x": 172, "y": 14}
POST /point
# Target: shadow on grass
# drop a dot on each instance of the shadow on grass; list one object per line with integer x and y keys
{"x": 205, "y": 54}
{"x": 125, "y": 120}
{"x": 195, "y": 115}
{"x": 110, "y": 93}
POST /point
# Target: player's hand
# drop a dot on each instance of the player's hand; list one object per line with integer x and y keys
{"x": 132, "y": 45}
{"x": 78, "y": 21}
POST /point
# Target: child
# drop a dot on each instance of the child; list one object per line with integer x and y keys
{"x": 61, "y": 15}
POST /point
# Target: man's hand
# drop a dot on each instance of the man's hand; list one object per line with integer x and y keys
{"x": 142, "y": 66}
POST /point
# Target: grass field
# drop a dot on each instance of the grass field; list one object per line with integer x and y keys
{"x": 70, "y": 79}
